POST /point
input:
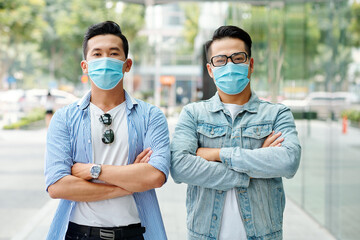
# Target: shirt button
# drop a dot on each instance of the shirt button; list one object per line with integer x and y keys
{"x": 89, "y": 141}
{"x": 214, "y": 217}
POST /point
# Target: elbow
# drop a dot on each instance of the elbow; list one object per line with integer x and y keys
{"x": 53, "y": 192}
{"x": 159, "y": 180}
{"x": 293, "y": 162}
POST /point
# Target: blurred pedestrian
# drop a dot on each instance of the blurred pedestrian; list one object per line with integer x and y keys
{"x": 107, "y": 153}
{"x": 49, "y": 108}
{"x": 233, "y": 150}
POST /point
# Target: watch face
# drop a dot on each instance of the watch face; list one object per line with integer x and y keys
{"x": 95, "y": 171}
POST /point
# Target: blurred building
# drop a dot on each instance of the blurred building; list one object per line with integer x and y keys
{"x": 304, "y": 57}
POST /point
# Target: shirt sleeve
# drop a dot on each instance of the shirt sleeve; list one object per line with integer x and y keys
{"x": 58, "y": 158}
{"x": 268, "y": 162}
{"x": 157, "y": 138}
{"x": 191, "y": 169}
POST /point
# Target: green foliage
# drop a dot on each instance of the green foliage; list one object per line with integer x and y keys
{"x": 35, "y": 115}
{"x": 55, "y": 28}
{"x": 352, "y": 114}
{"x": 131, "y": 21}
{"x": 354, "y": 26}
{"x": 191, "y": 26}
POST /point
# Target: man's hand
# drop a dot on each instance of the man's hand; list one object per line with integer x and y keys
{"x": 82, "y": 170}
{"x": 213, "y": 154}
{"x": 144, "y": 156}
{"x": 210, "y": 154}
{"x": 273, "y": 140}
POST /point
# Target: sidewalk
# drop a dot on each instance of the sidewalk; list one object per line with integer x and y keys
{"x": 297, "y": 224}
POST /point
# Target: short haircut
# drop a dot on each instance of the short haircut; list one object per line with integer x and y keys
{"x": 229, "y": 32}
{"x": 103, "y": 28}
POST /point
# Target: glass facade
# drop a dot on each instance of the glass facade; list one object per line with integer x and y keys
{"x": 306, "y": 56}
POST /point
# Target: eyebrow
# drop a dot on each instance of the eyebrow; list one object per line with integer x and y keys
{"x": 99, "y": 49}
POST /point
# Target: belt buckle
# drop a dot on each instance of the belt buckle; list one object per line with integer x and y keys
{"x": 107, "y": 234}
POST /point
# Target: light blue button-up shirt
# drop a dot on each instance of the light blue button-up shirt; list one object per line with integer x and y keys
{"x": 69, "y": 141}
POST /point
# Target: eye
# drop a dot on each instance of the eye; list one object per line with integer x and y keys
{"x": 114, "y": 54}
{"x": 96, "y": 54}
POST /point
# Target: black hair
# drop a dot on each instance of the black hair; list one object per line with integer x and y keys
{"x": 108, "y": 27}
{"x": 229, "y": 32}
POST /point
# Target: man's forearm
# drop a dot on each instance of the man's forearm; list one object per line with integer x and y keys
{"x": 80, "y": 190}
{"x": 194, "y": 170}
{"x": 135, "y": 177}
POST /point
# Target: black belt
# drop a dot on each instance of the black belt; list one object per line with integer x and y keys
{"x": 107, "y": 233}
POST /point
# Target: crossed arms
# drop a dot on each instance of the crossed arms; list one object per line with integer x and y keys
{"x": 119, "y": 181}
{"x": 67, "y": 178}
{"x": 278, "y": 157}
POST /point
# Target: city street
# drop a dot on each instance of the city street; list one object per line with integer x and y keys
{"x": 26, "y": 210}
{"x": 21, "y": 179}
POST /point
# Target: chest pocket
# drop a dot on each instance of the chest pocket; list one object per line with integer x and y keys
{"x": 255, "y": 135}
{"x": 211, "y": 136}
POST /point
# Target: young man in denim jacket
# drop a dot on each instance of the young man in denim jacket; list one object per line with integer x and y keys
{"x": 106, "y": 153}
{"x": 229, "y": 151}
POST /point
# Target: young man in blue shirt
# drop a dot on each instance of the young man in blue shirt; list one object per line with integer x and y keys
{"x": 229, "y": 151}
{"x": 106, "y": 153}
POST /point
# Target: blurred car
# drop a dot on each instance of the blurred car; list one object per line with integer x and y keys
{"x": 12, "y": 100}
{"x": 326, "y": 105}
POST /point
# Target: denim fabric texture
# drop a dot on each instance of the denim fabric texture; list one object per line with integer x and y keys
{"x": 69, "y": 141}
{"x": 255, "y": 172}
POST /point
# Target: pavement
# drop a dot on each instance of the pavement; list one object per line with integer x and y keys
{"x": 17, "y": 223}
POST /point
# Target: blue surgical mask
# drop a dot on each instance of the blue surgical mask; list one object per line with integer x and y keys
{"x": 231, "y": 78}
{"x": 106, "y": 73}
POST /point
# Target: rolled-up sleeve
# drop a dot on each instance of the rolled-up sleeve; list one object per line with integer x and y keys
{"x": 157, "y": 138}
{"x": 58, "y": 158}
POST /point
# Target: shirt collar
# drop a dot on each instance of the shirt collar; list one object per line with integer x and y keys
{"x": 251, "y": 106}
{"x": 84, "y": 102}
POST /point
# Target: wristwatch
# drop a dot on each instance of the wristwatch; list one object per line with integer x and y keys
{"x": 95, "y": 171}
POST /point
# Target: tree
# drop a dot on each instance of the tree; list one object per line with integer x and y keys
{"x": 21, "y": 25}
{"x": 354, "y": 26}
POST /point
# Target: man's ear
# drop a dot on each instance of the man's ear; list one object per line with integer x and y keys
{"x": 251, "y": 65}
{"x": 84, "y": 66}
{"x": 127, "y": 65}
{"x": 209, "y": 69}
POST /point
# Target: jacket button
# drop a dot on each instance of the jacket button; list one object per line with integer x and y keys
{"x": 219, "y": 192}
{"x": 214, "y": 217}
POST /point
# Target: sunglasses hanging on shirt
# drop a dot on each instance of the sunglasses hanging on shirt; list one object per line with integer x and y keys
{"x": 108, "y": 135}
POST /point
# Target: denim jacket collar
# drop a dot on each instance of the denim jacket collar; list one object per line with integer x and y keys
{"x": 84, "y": 102}
{"x": 251, "y": 106}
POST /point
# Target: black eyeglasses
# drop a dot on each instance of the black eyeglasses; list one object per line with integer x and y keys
{"x": 221, "y": 60}
{"x": 108, "y": 135}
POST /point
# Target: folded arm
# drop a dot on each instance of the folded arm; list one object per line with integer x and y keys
{"x": 80, "y": 190}
{"x": 191, "y": 169}
{"x": 148, "y": 173}
{"x": 268, "y": 162}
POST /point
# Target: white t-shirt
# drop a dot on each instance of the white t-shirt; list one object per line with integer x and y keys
{"x": 232, "y": 226}
{"x": 120, "y": 211}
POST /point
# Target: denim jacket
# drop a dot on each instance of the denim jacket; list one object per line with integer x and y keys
{"x": 255, "y": 172}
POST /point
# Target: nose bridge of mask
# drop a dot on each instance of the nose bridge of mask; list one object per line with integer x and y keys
{"x": 105, "y": 63}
